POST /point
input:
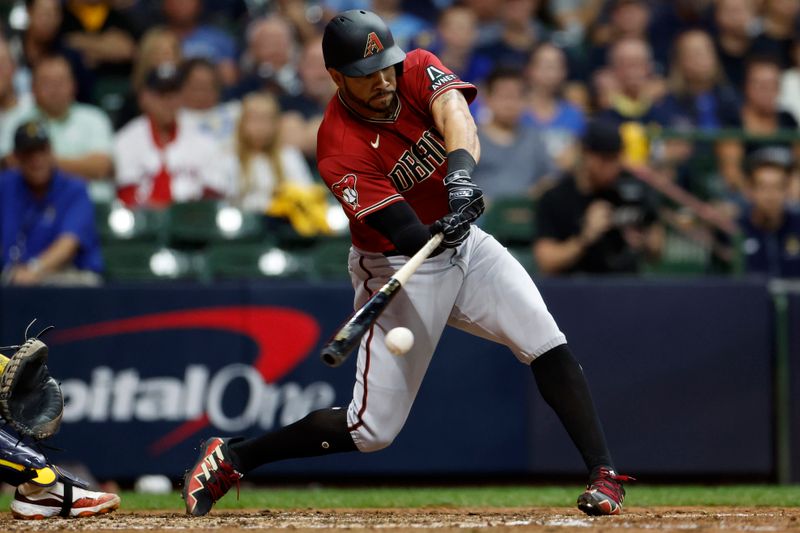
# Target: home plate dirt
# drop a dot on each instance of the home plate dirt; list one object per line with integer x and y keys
{"x": 551, "y": 520}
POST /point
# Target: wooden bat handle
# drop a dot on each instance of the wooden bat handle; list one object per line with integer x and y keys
{"x": 416, "y": 260}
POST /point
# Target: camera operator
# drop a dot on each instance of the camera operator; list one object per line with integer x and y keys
{"x": 601, "y": 219}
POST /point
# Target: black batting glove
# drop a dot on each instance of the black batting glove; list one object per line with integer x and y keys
{"x": 454, "y": 227}
{"x": 463, "y": 196}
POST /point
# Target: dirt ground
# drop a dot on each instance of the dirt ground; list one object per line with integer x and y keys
{"x": 551, "y": 520}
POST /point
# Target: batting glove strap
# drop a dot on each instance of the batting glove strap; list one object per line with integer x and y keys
{"x": 454, "y": 227}
{"x": 463, "y": 196}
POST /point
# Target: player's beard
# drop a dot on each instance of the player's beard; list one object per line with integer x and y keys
{"x": 383, "y": 107}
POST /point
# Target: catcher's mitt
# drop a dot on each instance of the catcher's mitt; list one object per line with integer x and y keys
{"x": 30, "y": 399}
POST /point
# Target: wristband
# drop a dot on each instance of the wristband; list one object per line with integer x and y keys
{"x": 460, "y": 160}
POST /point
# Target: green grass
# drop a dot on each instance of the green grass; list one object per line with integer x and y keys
{"x": 506, "y": 496}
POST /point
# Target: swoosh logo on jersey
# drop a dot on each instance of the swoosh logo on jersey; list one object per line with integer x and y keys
{"x": 376, "y": 142}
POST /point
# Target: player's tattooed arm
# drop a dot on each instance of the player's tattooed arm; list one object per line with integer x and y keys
{"x": 453, "y": 119}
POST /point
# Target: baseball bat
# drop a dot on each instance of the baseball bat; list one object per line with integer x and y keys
{"x": 349, "y": 334}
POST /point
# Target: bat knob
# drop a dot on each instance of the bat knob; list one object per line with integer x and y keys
{"x": 332, "y": 357}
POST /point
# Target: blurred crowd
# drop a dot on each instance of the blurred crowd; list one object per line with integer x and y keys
{"x": 644, "y": 136}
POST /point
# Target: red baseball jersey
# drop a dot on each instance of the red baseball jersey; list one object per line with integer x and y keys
{"x": 371, "y": 163}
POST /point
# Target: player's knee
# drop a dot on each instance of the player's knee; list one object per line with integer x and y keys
{"x": 372, "y": 439}
{"x": 375, "y": 443}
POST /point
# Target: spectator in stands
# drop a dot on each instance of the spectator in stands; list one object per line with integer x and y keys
{"x": 302, "y": 114}
{"x": 403, "y": 25}
{"x": 261, "y": 163}
{"x": 560, "y": 122}
{"x": 600, "y": 220}
{"x": 158, "y": 46}
{"x": 627, "y": 19}
{"x": 201, "y": 105}
{"x": 47, "y": 227}
{"x": 80, "y": 133}
{"x": 770, "y": 230}
{"x": 603, "y": 88}
{"x": 12, "y": 105}
{"x": 699, "y": 97}
{"x": 454, "y": 43}
{"x": 514, "y": 158}
{"x": 670, "y": 19}
{"x": 759, "y": 115}
{"x": 574, "y": 18}
{"x": 490, "y": 27}
{"x": 734, "y": 27}
{"x": 633, "y": 106}
{"x": 43, "y": 38}
{"x": 269, "y": 61}
{"x": 201, "y": 40}
{"x": 789, "y": 97}
{"x": 302, "y": 19}
{"x": 104, "y": 37}
{"x": 779, "y": 21}
{"x": 158, "y": 160}
{"x": 520, "y": 33}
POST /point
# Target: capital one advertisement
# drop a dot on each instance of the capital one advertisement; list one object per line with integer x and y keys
{"x": 147, "y": 373}
{"x": 150, "y": 371}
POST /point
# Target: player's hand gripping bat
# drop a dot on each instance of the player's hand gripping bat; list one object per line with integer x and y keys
{"x": 349, "y": 334}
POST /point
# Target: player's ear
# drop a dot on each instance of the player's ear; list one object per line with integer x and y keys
{"x": 338, "y": 77}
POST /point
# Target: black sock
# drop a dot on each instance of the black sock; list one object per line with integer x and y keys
{"x": 319, "y": 433}
{"x": 563, "y": 386}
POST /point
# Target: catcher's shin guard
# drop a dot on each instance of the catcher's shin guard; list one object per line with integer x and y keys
{"x": 18, "y": 461}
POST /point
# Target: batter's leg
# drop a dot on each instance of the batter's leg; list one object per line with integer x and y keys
{"x": 386, "y": 384}
{"x": 500, "y": 302}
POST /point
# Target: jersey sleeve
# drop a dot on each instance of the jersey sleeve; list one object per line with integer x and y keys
{"x": 432, "y": 79}
{"x": 358, "y": 185}
{"x": 78, "y": 219}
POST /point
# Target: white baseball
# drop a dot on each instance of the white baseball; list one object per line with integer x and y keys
{"x": 399, "y": 340}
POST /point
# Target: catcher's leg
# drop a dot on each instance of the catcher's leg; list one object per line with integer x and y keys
{"x": 44, "y": 490}
{"x": 56, "y": 492}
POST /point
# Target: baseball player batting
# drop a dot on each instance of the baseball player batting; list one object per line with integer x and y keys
{"x": 397, "y": 146}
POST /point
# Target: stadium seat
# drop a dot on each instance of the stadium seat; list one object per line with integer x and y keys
{"x": 148, "y": 262}
{"x": 681, "y": 257}
{"x": 202, "y": 222}
{"x": 510, "y": 220}
{"x": 116, "y": 223}
{"x": 253, "y": 261}
{"x": 110, "y": 93}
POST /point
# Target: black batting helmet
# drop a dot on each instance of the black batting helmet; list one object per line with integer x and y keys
{"x": 358, "y": 43}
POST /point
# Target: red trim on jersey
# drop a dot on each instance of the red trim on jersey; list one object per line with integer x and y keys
{"x": 127, "y": 194}
{"x": 161, "y": 194}
{"x": 380, "y": 205}
{"x": 444, "y": 88}
{"x": 363, "y": 409}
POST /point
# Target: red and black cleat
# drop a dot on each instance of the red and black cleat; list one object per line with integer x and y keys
{"x": 210, "y": 478}
{"x": 604, "y": 494}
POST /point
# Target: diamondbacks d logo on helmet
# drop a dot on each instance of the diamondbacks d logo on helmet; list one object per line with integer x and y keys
{"x": 345, "y": 189}
{"x": 374, "y": 45}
